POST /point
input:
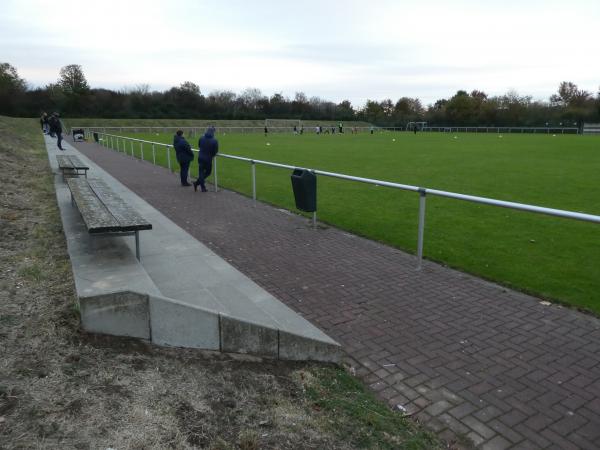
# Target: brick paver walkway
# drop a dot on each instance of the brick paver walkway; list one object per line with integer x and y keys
{"x": 467, "y": 357}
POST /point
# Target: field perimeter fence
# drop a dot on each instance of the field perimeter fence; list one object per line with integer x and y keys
{"x": 119, "y": 143}
{"x": 198, "y": 131}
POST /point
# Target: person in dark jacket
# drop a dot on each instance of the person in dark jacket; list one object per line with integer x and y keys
{"x": 209, "y": 147}
{"x": 46, "y": 125}
{"x": 184, "y": 155}
{"x": 56, "y": 128}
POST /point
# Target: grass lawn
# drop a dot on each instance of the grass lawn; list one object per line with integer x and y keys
{"x": 554, "y": 258}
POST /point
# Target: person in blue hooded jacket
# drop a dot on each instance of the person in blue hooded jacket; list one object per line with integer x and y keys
{"x": 184, "y": 155}
{"x": 209, "y": 147}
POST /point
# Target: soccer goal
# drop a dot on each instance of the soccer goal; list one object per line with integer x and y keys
{"x": 420, "y": 125}
{"x": 283, "y": 124}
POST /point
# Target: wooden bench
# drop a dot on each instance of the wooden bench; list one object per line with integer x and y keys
{"x": 71, "y": 166}
{"x": 104, "y": 212}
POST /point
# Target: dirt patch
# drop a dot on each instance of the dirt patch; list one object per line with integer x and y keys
{"x": 61, "y": 387}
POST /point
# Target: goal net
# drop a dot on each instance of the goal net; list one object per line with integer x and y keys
{"x": 420, "y": 125}
{"x": 283, "y": 123}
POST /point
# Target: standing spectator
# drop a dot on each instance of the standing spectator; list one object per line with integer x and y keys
{"x": 415, "y": 128}
{"x": 51, "y": 121}
{"x": 56, "y": 128}
{"x": 46, "y": 124}
{"x": 42, "y": 119}
{"x": 266, "y": 131}
{"x": 341, "y": 127}
{"x": 302, "y": 129}
{"x": 184, "y": 155}
{"x": 295, "y": 130}
{"x": 209, "y": 147}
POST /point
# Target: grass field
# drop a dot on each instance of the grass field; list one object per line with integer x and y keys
{"x": 554, "y": 258}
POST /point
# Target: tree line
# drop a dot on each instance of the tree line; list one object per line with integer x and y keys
{"x": 72, "y": 96}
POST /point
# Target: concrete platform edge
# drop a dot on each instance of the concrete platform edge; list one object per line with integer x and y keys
{"x": 172, "y": 323}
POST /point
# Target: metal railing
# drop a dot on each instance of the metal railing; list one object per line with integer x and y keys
{"x": 422, "y": 191}
{"x": 528, "y": 130}
{"x": 310, "y": 129}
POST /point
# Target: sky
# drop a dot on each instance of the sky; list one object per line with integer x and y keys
{"x": 336, "y": 50}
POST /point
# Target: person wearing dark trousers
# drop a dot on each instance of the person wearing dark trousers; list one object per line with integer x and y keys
{"x": 184, "y": 155}
{"x": 209, "y": 147}
{"x": 46, "y": 125}
{"x": 56, "y": 128}
{"x": 51, "y": 121}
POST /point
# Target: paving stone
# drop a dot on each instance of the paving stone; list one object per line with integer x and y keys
{"x": 446, "y": 332}
{"x": 438, "y": 407}
{"x": 497, "y": 443}
{"x": 463, "y": 410}
{"x": 477, "y": 426}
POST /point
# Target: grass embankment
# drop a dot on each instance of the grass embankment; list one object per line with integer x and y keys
{"x": 62, "y": 388}
{"x": 554, "y": 258}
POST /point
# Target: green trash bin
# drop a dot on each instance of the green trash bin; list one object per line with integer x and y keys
{"x": 304, "y": 185}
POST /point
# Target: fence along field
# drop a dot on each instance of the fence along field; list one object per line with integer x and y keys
{"x": 551, "y": 257}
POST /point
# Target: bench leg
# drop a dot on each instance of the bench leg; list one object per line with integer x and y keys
{"x": 137, "y": 245}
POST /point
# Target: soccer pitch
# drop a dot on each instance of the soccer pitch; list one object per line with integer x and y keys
{"x": 551, "y": 257}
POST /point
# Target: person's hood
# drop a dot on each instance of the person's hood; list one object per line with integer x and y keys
{"x": 210, "y": 132}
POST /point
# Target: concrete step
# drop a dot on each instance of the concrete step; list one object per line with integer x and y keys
{"x": 180, "y": 293}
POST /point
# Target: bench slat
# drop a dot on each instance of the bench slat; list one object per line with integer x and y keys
{"x": 64, "y": 162}
{"x": 96, "y": 216}
{"x": 76, "y": 163}
{"x": 128, "y": 218}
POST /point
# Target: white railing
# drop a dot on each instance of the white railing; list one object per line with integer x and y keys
{"x": 198, "y": 131}
{"x": 423, "y": 192}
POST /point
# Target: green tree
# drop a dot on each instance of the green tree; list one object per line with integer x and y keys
{"x": 460, "y": 109}
{"x": 408, "y": 110}
{"x": 72, "y": 80}
{"x": 12, "y": 89}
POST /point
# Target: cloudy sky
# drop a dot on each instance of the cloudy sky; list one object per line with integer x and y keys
{"x": 336, "y": 50}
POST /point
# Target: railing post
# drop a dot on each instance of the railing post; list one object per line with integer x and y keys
{"x": 422, "y": 198}
{"x": 142, "y": 150}
{"x": 168, "y": 158}
{"x": 254, "y": 182}
{"x": 314, "y": 215}
{"x": 153, "y": 154}
{"x": 111, "y": 143}
{"x": 132, "y": 154}
{"x": 216, "y": 181}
